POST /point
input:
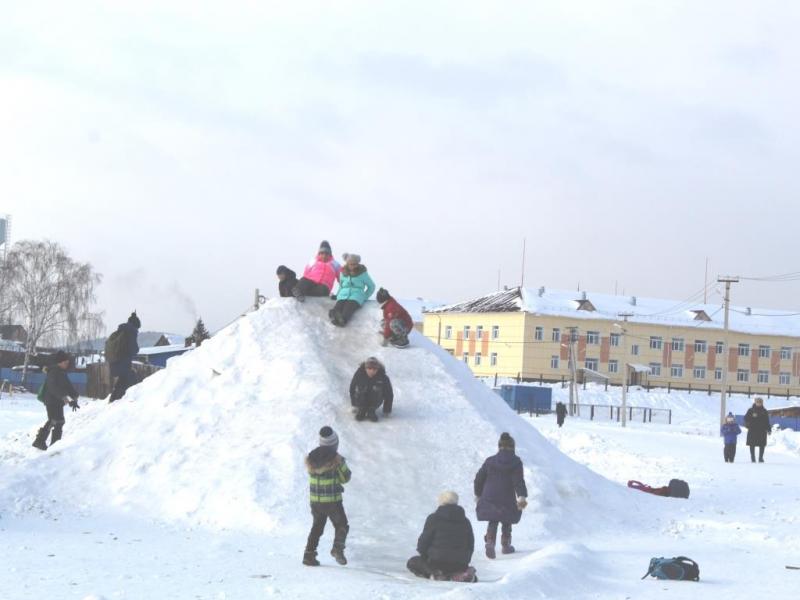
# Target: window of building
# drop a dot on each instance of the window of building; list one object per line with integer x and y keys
{"x": 744, "y": 349}
{"x": 495, "y": 331}
{"x": 655, "y": 369}
{"x": 786, "y": 353}
{"x": 493, "y": 359}
{"x": 655, "y": 342}
{"x": 477, "y": 359}
{"x": 591, "y": 363}
{"x": 538, "y": 334}
{"x": 720, "y": 347}
{"x": 614, "y": 339}
{"x": 784, "y": 378}
{"x": 613, "y": 366}
{"x": 699, "y": 373}
{"x": 593, "y": 337}
{"x": 635, "y": 350}
{"x": 465, "y": 357}
{"x": 763, "y": 351}
{"x": 556, "y": 337}
{"x": 448, "y": 332}
{"x": 763, "y": 377}
{"x": 676, "y": 371}
{"x": 677, "y": 344}
{"x": 700, "y": 346}
{"x": 742, "y": 375}
{"x": 479, "y": 332}
{"x": 718, "y": 374}
{"x": 466, "y": 332}
{"x": 554, "y": 362}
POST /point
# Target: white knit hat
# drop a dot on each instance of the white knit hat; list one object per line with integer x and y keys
{"x": 447, "y": 497}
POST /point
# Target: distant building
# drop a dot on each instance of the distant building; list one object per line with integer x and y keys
{"x": 525, "y": 333}
{"x": 159, "y": 355}
{"x": 14, "y": 333}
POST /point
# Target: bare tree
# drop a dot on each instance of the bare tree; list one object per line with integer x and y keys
{"x": 49, "y": 291}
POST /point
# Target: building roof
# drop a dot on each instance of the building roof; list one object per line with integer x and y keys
{"x": 163, "y": 349}
{"x": 591, "y": 305}
{"x": 416, "y": 306}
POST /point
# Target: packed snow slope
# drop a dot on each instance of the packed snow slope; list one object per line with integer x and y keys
{"x": 218, "y": 438}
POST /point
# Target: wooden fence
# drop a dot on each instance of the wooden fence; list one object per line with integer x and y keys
{"x": 99, "y": 382}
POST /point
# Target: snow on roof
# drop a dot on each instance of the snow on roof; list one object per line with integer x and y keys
{"x": 163, "y": 349}
{"x": 643, "y": 310}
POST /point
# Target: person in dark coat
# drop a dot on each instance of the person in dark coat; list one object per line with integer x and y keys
{"x": 729, "y": 431}
{"x": 58, "y": 391}
{"x": 446, "y": 544}
{"x": 369, "y": 389}
{"x": 287, "y": 279}
{"x": 501, "y": 493}
{"x": 397, "y": 323}
{"x": 561, "y": 412}
{"x": 327, "y": 473}
{"x": 122, "y": 368}
{"x": 756, "y": 419}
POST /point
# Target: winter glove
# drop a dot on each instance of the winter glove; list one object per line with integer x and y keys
{"x": 74, "y": 405}
{"x": 522, "y": 502}
{"x": 333, "y": 296}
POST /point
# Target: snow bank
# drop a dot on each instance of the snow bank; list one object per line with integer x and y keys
{"x": 218, "y": 438}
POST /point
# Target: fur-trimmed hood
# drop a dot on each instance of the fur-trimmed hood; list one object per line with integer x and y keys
{"x": 353, "y": 270}
{"x": 322, "y": 459}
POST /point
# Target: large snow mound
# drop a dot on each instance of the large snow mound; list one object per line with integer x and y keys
{"x": 218, "y": 438}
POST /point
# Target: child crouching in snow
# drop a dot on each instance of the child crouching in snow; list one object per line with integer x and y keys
{"x": 729, "y": 432}
{"x": 327, "y": 472}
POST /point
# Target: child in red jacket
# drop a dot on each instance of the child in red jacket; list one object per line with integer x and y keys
{"x": 397, "y": 323}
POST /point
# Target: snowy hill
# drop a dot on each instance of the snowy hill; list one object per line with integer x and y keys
{"x": 218, "y": 439}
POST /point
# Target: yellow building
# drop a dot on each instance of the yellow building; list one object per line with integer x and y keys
{"x": 526, "y": 333}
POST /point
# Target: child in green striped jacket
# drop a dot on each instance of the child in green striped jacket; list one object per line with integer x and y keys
{"x": 327, "y": 472}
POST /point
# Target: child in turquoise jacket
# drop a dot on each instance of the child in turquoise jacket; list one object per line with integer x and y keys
{"x": 355, "y": 288}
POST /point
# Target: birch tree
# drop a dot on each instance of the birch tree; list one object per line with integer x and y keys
{"x": 51, "y": 293}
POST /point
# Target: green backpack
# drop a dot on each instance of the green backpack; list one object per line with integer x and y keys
{"x": 116, "y": 345}
{"x": 40, "y": 394}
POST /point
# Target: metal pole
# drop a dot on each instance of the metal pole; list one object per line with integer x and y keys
{"x": 624, "y": 330}
{"x": 723, "y": 396}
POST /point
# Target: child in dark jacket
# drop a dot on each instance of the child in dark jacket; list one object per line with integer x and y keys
{"x": 729, "y": 432}
{"x": 287, "y": 279}
{"x": 58, "y": 391}
{"x": 327, "y": 472}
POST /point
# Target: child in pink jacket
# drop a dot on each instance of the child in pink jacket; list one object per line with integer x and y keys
{"x": 319, "y": 275}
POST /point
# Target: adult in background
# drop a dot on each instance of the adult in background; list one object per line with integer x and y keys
{"x": 121, "y": 347}
{"x": 756, "y": 419}
{"x": 58, "y": 391}
{"x": 355, "y": 288}
{"x": 327, "y": 473}
{"x": 501, "y": 493}
{"x": 319, "y": 275}
{"x": 446, "y": 544}
{"x": 370, "y": 389}
{"x": 287, "y": 279}
{"x": 397, "y": 323}
{"x": 561, "y": 413}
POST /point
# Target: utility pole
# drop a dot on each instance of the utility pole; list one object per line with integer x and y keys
{"x": 726, "y": 350}
{"x": 573, "y": 388}
{"x": 624, "y": 408}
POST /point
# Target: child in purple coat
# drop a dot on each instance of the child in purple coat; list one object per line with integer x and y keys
{"x": 729, "y": 431}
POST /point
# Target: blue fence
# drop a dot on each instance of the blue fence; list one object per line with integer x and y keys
{"x": 783, "y": 422}
{"x": 36, "y": 379}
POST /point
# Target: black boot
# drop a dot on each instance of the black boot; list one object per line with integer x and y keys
{"x": 490, "y": 539}
{"x": 41, "y": 437}
{"x": 361, "y": 414}
{"x": 338, "y": 554}
{"x": 56, "y": 435}
{"x": 310, "y": 558}
{"x": 505, "y": 544}
{"x": 372, "y": 416}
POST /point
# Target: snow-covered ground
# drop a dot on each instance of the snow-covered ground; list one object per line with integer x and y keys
{"x": 193, "y": 485}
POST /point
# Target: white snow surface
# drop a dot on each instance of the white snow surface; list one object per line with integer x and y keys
{"x": 193, "y": 485}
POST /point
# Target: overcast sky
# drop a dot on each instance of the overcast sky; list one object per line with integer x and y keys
{"x": 188, "y": 148}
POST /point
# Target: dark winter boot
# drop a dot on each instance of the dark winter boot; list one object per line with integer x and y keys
{"x": 298, "y": 294}
{"x": 374, "y": 418}
{"x": 338, "y": 554}
{"x": 361, "y": 414}
{"x": 41, "y": 437}
{"x": 490, "y": 542}
{"x": 310, "y": 559}
{"x": 505, "y": 544}
{"x": 56, "y": 435}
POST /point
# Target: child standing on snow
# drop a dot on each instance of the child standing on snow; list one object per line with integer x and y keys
{"x": 327, "y": 472}
{"x": 729, "y": 432}
{"x": 397, "y": 323}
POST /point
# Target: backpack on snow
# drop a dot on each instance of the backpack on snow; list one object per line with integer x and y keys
{"x": 678, "y": 488}
{"x": 116, "y": 345}
{"x": 679, "y": 567}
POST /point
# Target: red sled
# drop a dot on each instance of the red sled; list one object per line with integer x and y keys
{"x": 643, "y": 487}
